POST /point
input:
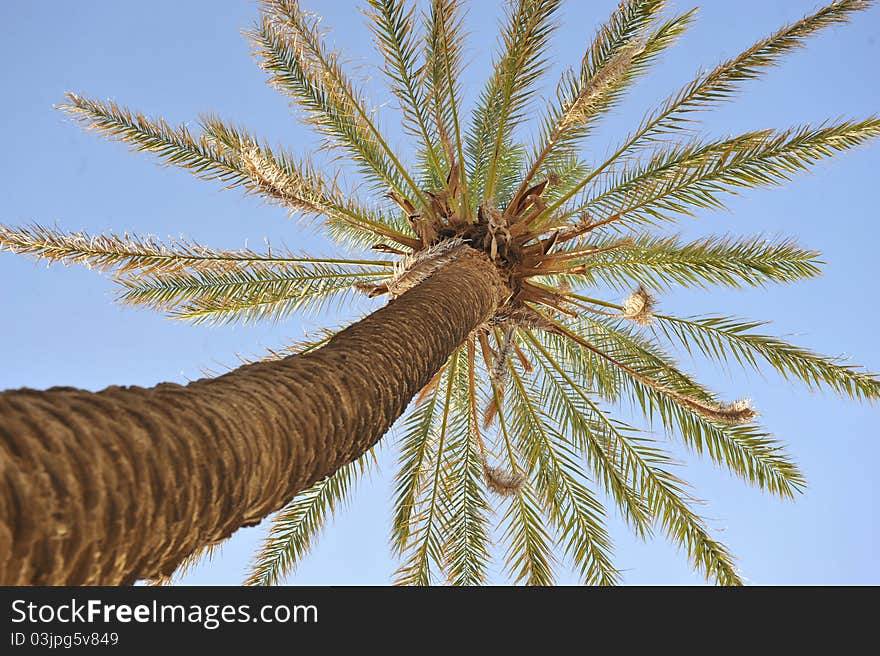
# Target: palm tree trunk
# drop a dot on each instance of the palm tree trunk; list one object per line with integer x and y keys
{"x": 114, "y": 486}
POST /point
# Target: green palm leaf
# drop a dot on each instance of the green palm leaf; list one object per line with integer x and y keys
{"x": 577, "y": 513}
{"x": 125, "y": 254}
{"x": 502, "y": 104}
{"x": 661, "y": 389}
{"x": 247, "y": 294}
{"x": 674, "y": 181}
{"x": 443, "y": 70}
{"x": 395, "y": 35}
{"x": 641, "y": 470}
{"x": 622, "y": 50}
{"x": 721, "y": 338}
{"x": 722, "y": 82}
{"x": 300, "y": 65}
{"x": 296, "y": 527}
{"x": 468, "y": 535}
{"x": 216, "y": 154}
{"x": 660, "y": 262}
{"x": 422, "y": 501}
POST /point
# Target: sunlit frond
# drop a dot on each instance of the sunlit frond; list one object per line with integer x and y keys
{"x": 394, "y": 29}
{"x": 466, "y": 548}
{"x": 722, "y": 82}
{"x": 237, "y": 159}
{"x": 640, "y": 468}
{"x": 421, "y": 499}
{"x": 723, "y": 338}
{"x": 623, "y": 49}
{"x": 291, "y": 50}
{"x": 559, "y": 389}
{"x": 529, "y": 546}
{"x": 300, "y": 186}
{"x": 173, "y": 145}
{"x": 687, "y": 409}
{"x": 123, "y": 254}
{"x": 518, "y": 66}
{"x": 552, "y": 463}
{"x": 416, "y": 449}
{"x": 247, "y": 294}
{"x": 296, "y": 527}
{"x": 675, "y": 181}
{"x": 444, "y": 39}
{"x": 661, "y": 262}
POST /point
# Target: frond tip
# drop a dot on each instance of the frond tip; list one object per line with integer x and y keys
{"x": 639, "y": 306}
{"x": 733, "y": 413}
{"x": 501, "y": 482}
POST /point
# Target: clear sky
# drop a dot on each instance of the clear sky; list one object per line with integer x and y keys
{"x": 178, "y": 59}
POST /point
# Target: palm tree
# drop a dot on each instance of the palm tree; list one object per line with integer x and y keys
{"x": 494, "y": 256}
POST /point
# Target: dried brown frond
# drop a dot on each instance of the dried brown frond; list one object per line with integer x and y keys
{"x": 491, "y": 410}
{"x": 523, "y": 360}
{"x": 554, "y": 299}
{"x": 639, "y": 306}
{"x": 498, "y": 230}
{"x": 430, "y": 387}
{"x": 520, "y": 315}
{"x": 403, "y": 203}
{"x": 521, "y": 203}
{"x": 370, "y": 289}
{"x": 737, "y": 412}
{"x": 422, "y": 265}
{"x": 498, "y": 372}
{"x": 385, "y": 248}
{"x": 503, "y": 483}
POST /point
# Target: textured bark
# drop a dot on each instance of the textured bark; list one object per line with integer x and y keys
{"x": 114, "y": 486}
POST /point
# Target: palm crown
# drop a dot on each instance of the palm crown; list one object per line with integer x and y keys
{"x": 518, "y": 416}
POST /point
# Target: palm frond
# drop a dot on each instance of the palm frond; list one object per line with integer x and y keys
{"x": 722, "y": 338}
{"x": 578, "y": 515}
{"x": 299, "y": 64}
{"x": 560, "y": 388}
{"x": 417, "y": 449}
{"x": 395, "y": 35}
{"x": 466, "y": 548}
{"x": 298, "y": 185}
{"x": 677, "y": 180}
{"x": 689, "y": 410}
{"x": 296, "y": 527}
{"x": 722, "y": 82}
{"x": 127, "y": 253}
{"x": 443, "y": 70}
{"x": 660, "y": 262}
{"x": 529, "y": 553}
{"x": 622, "y": 50}
{"x": 521, "y": 62}
{"x": 246, "y": 294}
{"x": 425, "y": 506}
{"x": 237, "y": 159}
{"x": 173, "y": 145}
{"x": 508, "y": 173}
{"x": 642, "y": 467}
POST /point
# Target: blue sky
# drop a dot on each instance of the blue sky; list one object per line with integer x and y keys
{"x": 179, "y": 59}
